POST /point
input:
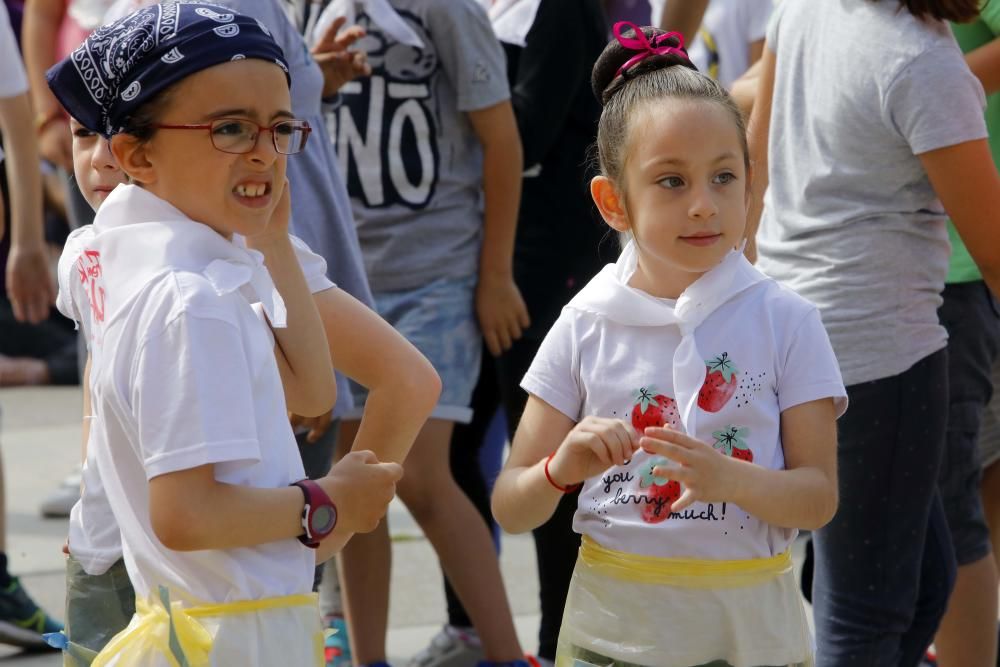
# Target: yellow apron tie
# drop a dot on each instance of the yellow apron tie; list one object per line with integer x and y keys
{"x": 683, "y": 572}
{"x": 192, "y": 642}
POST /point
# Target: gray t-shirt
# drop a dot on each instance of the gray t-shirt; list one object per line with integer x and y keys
{"x": 414, "y": 165}
{"x": 851, "y": 221}
{"x": 321, "y": 208}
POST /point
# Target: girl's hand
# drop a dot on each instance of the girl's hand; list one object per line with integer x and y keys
{"x": 707, "y": 475}
{"x": 593, "y": 446}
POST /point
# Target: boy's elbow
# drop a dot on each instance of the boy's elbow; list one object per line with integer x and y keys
{"x": 176, "y": 528}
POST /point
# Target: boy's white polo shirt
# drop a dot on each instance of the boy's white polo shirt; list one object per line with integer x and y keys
{"x": 721, "y": 363}
{"x": 183, "y": 374}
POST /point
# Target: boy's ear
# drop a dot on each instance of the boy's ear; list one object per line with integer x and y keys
{"x": 609, "y": 202}
{"x": 133, "y": 159}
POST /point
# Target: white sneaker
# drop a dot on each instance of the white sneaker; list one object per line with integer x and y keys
{"x": 451, "y": 647}
{"x": 58, "y": 503}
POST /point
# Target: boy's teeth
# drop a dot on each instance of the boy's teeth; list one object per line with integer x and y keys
{"x": 250, "y": 190}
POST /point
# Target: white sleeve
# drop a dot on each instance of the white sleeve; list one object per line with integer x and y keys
{"x": 13, "y": 80}
{"x": 67, "y": 271}
{"x": 758, "y": 16}
{"x": 554, "y": 375}
{"x": 313, "y": 266}
{"x": 191, "y": 396}
{"x": 809, "y": 369}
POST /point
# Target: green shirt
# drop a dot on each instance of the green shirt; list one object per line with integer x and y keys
{"x": 971, "y": 36}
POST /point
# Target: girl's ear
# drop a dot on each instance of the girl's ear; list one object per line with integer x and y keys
{"x": 131, "y": 155}
{"x": 609, "y": 202}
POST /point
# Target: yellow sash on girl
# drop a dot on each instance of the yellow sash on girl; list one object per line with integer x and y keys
{"x": 682, "y": 572}
{"x": 175, "y": 632}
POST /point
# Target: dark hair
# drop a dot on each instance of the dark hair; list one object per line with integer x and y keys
{"x": 141, "y": 122}
{"x": 957, "y": 11}
{"x": 656, "y": 78}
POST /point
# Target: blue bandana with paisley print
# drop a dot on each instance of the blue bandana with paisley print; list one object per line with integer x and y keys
{"x": 125, "y": 64}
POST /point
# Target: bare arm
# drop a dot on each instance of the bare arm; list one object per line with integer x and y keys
{"x": 759, "y": 131}
{"x": 985, "y": 64}
{"x": 523, "y": 497}
{"x": 744, "y": 89}
{"x": 29, "y": 284}
{"x": 191, "y": 510}
{"x": 403, "y": 386}
{"x": 501, "y": 310}
{"x": 803, "y": 495}
{"x": 40, "y": 35}
{"x": 683, "y": 16}
{"x": 300, "y": 348}
{"x": 965, "y": 179}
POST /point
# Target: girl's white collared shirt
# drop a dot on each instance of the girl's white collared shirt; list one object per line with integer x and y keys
{"x": 721, "y": 362}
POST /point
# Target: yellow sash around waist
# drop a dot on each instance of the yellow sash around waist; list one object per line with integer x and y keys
{"x": 174, "y": 631}
{"x": 683, "y": 572}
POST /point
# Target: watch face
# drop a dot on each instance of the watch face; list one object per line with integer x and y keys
{"x": 322, "y": 520}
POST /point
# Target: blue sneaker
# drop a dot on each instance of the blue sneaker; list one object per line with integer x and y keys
{"x": 338, "y": 644}
{"x": 22, "y": 622}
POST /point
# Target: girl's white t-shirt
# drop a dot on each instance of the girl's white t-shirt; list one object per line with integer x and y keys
{"x": 183, "y": 375}
{"x": 721, "y": 363}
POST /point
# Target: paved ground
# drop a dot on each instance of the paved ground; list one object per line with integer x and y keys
{"x": 39, "y": 440}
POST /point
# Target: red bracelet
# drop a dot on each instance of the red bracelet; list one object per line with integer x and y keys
{"x": 564, "y": 489}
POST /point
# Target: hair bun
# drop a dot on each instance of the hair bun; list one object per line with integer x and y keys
{"x": 655, "y": 49}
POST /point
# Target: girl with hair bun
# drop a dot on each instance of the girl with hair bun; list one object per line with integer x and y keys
{"x": 693, "y": 399}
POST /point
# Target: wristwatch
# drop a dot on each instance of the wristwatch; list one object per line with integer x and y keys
{"x": 319, "y": 515}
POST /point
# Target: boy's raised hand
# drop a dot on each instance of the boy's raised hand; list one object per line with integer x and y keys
{"x": 361, "y": 488}
{"x": 277, "y": 225}
{"x": 281, "y": 216}
{"x": 594, "y": 445}
{"x": 706, "y": 474}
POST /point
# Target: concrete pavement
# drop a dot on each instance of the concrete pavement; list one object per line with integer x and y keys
{"x": 40, "y": 443}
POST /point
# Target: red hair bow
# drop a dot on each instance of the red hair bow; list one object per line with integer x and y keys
{"x": 643, "y": 46}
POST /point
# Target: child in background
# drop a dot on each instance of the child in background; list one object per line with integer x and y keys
{"x": 561, "y": 244}
{"x": 694, "y": 399}
{"x": 856, "y": 194}
{"x": 29, "y": 289}
{"x": 429, "y": 148}
{"x": 197, "y": 463}
{"x": 730, "y": 39}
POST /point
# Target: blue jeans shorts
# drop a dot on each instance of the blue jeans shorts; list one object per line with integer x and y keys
{"x": 439, "y": 319}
